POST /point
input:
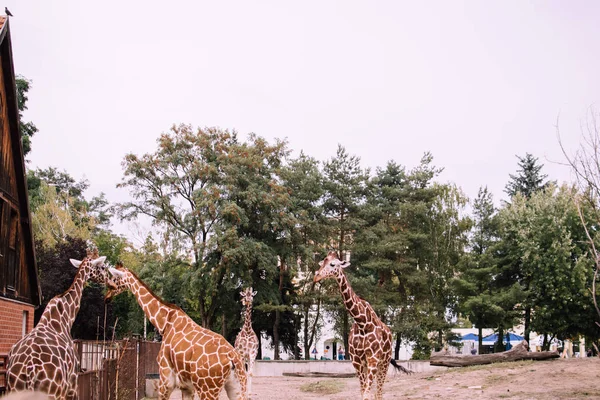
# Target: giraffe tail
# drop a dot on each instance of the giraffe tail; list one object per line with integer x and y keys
{"x": 399, "y": 367}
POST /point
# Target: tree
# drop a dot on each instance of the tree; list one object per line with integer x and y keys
{"x": 345, "y": 183}
{"x": 551, "y": 242}
{"x": 475, "y": 285}
{"x": 304, "y": 180}
{"x": 222, "y": 198}
{"x": 585, "y": 164}
{"x": 529, "y": 178}
{"x": 54, "y": 220}
{"x": 28, "y": 129}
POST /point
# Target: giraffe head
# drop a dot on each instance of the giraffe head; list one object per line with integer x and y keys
{"x": 330, "y": 266}
{"x": 94, "y": 268}
{"x": 247, "y": 296}
{"x": 118, "y": 282}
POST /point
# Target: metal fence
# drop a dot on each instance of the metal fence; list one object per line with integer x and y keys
{"x": 115, "y": 371}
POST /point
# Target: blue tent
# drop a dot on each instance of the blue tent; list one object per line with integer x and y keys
{"x": 470, "y": 336}
{"x": 511, "y": 338}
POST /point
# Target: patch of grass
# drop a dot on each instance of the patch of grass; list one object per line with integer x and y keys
{"x": 585, "y": 393}
{"x": 493, "y": 379}
{"x": 323, "y": 387}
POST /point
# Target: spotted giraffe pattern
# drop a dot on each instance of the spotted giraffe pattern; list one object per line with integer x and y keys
{"x": 196, "y": 359}
{"x": 45, "y": 359}
{"x": 246, "y": 342}
{"x": 370, "y": 340}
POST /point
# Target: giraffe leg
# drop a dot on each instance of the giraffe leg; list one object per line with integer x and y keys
{"x": 361, "y": 376}
{"x": 370, "y": 372}
{"x": 187, "y": 393}
{"x": 250, "y": 375}
{"x": 381, "y": 375}
{"x": 166, "y": 383}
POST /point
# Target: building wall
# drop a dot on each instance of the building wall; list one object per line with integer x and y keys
{"x": 11, "y": 324}
{"x": 15, "y": 282}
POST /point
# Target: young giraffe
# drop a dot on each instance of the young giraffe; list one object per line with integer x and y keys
{"x": 370, "y": 340}
{"x": 246, "y": 342}
{"x": 45, "y": 359}
{"x": 196, "y": 358}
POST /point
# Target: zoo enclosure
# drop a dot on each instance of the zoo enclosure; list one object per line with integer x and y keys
{"x": 115, "y": 370}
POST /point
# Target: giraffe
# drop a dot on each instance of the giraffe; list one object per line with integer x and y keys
{"x": 45, "y": 360}
{"x": 246, "y": 342}
{"x": 370, "y": 340}
{"x": 195, "y": 358}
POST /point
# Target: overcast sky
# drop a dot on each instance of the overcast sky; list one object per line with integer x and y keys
{"x": 475, "y": 82}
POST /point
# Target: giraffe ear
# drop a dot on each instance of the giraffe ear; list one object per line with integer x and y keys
{"x": 75, "y": 263}
{"x": 98, "y": 261}
{"x": 321, "y": 263}
{"x": 254, "y": 293}
{"x": 345, "y": 264}
{"x": 116, "y": 272}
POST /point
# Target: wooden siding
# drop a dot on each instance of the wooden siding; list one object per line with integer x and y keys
{"x": 15, "y": 282}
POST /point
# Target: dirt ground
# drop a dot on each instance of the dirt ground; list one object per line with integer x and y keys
{"x": 556, "y": 379}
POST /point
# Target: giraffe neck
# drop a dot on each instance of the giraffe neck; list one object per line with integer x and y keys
{"x": 154, "y": 308}
{"x": 247, "y": 318}
{"x": 62, "y": 309}
{"x": 355, "y": 306}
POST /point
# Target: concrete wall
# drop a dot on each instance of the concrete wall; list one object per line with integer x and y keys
{"x": 277, "y": 368}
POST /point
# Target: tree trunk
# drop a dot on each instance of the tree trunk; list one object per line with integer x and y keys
{"x": 440, "y": 344}
{"x": 518, "y": 352}
{"x": 306, "y": 344}
{"x": 545, "y": 343}
{"x": 276, "y": 335}
{"x": 480, "y": 341}
{"x": 259, "y": 354}
{"x": 397, "y": 348}
{"x": 499, "y": 346}
{"x": 296, "y": 330}
{"x": 345, "y": 334}
{"x": 276, "y": 355}
{"x": 527, "y": 323}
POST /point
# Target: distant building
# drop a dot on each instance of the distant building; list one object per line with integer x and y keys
{"x": 20, "y": 292}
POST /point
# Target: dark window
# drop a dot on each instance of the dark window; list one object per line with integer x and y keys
{"x": 12, "y": 259}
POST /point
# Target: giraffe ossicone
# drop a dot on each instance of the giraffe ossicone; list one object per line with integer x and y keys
{"x": 370, "y": 340}
{"x": 196, "y": 358}
{"x": 45, "y": 360}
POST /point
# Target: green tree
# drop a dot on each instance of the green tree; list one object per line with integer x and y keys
{"x": 551, "y": 242}
{"x": 345, "y": 185}
{"x": 304, "y": 180}
{"x": 223, "y": 199}
{"x": 478, "y": 298}
{"x": 28, "y": 129}
{"x": 529, "y": 178}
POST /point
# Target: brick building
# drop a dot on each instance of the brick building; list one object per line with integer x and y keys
{"x": 19, "y": 286}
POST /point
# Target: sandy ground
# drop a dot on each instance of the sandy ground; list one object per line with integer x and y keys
{"x": 557, "y": 379}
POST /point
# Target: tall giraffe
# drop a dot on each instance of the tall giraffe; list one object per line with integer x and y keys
{"x": 196, "y": 358}
{"x": 246, "y": 342}
{"x": 45, "y": 359}
{"x": 370, "y": 340}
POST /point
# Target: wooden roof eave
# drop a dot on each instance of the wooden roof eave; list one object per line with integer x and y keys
{"x": 19, "y": 160}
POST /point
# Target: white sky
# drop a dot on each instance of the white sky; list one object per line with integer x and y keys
{"x": 473, "y": 82}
